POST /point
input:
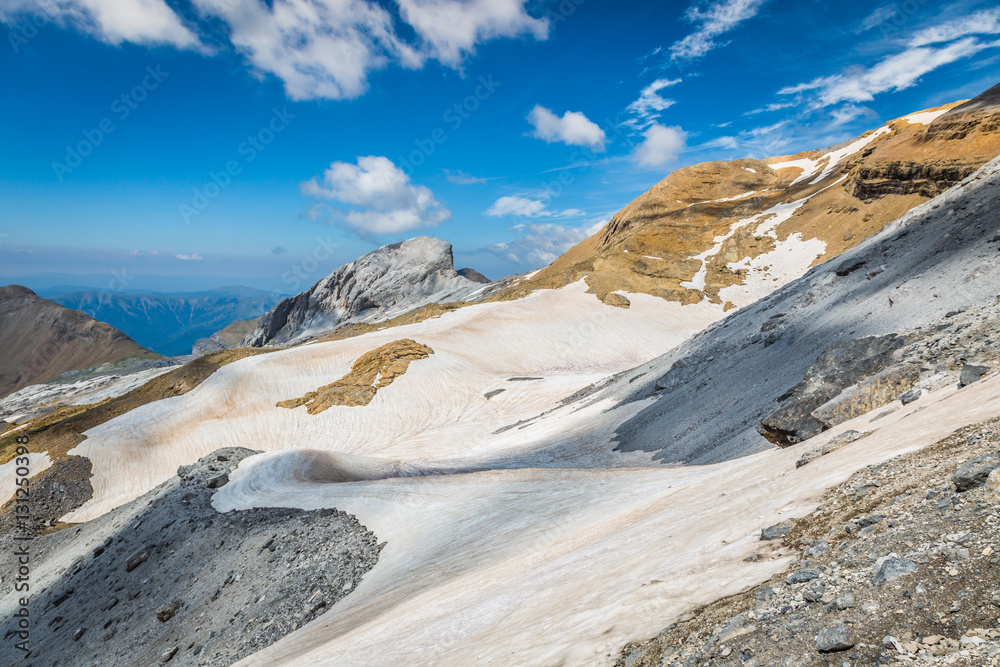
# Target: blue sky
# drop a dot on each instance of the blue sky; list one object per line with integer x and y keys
{"x": 237, "y": 141}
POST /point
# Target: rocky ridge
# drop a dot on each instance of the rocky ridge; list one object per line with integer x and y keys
{"x": 383, "y": 284}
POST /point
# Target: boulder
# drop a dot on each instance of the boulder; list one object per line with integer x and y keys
{"x": 974, "y": 473}
{"x": 993, "y": 487}
{"x": 892, "y": 569}
{"x": 776, "y": 532}
{"x": 835, "y": 638}
{"x": 971, "y": 374}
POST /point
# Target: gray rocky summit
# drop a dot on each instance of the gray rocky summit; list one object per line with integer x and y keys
{"x": 386, "y": 282}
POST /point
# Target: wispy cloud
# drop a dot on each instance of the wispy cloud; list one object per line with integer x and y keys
{"x": 897, "y": 72}
{"x": 527, "y": 207}
{"x": 650, "y": 104}
{"x": 926, "y": 50}
{"x": 378, "y": 197}
{"x": 459, "y": 177}
{"x": 193, "y": 257}
{"x": 711, "y": 21}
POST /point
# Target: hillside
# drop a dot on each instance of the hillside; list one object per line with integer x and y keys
{"x": 731, "y": 232}
{"x": 41, "y": 340}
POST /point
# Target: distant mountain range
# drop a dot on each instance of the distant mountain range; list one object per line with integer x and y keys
{"x": 170, "y": 323}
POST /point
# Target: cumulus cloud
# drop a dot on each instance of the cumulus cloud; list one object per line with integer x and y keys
{"x": 660, "y": 146}
{"x": 111, "y": 21}
{"x": 194, "y": 257}
{"x": 542, "y": 243}
{"x": 712, "y": 20}
{"x": 377, "y": 197}
{"x": 319, "y": 49}
{"x": 450, "y": 29}
{"x": 572, "y": 128}
{"x": 650, "y": 103}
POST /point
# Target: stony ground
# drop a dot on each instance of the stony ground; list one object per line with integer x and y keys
{"x": 896, "y": 566}
{"x": 166, "y": 578}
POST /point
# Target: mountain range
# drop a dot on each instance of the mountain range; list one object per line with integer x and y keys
{"x": 171, "y": 324}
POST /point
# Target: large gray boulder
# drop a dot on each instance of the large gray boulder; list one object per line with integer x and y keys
{"x": 974, "y": 473}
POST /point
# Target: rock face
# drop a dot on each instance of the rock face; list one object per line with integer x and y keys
{"x": 848, "y": 379}
{"x": 731, "y": 232}
{"x": 380, "y": 285}
{"x": 372, "y": 371}
{"x": 40, "y": 340}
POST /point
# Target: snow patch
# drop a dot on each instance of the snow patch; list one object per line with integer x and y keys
{"x": 925, "y": 117}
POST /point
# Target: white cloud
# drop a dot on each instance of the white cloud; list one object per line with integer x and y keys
{"x": 878, "y": 17}
{"x": 712, "y": 21}
{"x": 985, "y": 22}
{"x": 195, "y": 257}
{"x": 774, "y": 106}
{"x": 894, "y": 73}
{"x": 319, "y": 49}
{"x": 111, "y": 21}
{"x": 525, "y": 207}
{"x": 520, "y": 206}
{"x": 573, "y": 128}
{"x": 661, "y": 145}
{"x": 542, "y": 243}
{"x": 381, "y": 198}
{"x": 650, "y": 103}
{"x": 451, "y": 29}
{"x": 459, "y": 177}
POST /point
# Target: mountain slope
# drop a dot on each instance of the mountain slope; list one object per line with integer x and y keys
{"x": 171, "y": 323}
{"x": 382, "y": 284}
{"x": 41, "y": 340}
{"x": 731, "y": 232}
{"x": 875, "y": 315}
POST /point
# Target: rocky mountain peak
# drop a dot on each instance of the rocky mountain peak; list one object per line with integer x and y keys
{"x": 386, "y": 282}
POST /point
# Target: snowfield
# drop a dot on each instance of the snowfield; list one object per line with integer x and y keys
{"x": 435, "y": 417}
{"x": 544, "y": 567}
